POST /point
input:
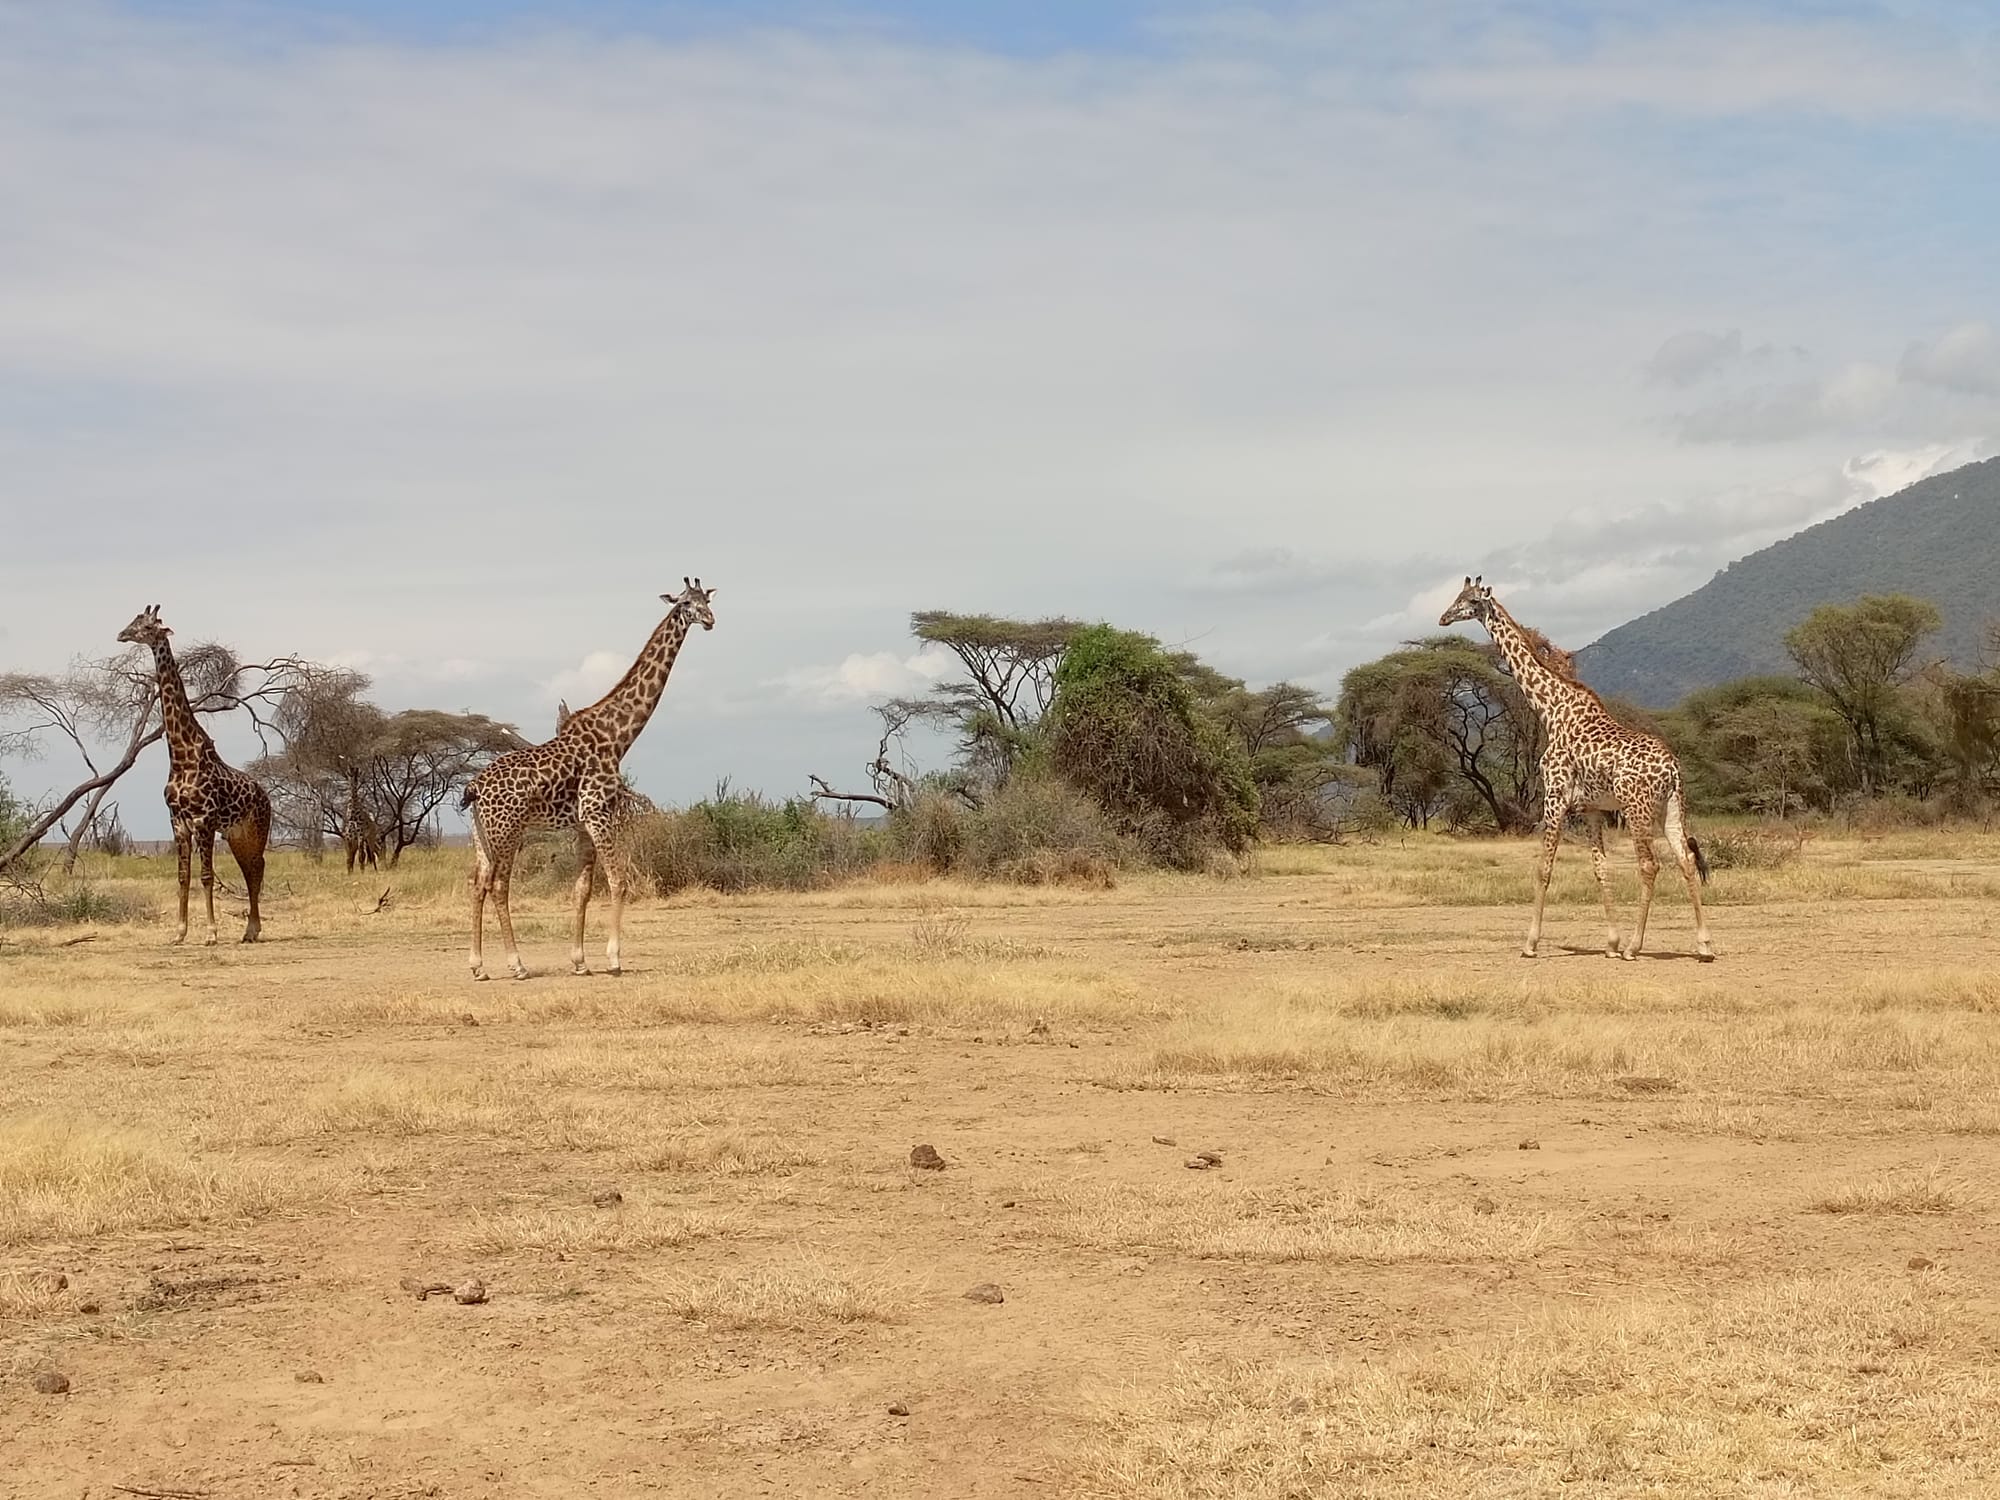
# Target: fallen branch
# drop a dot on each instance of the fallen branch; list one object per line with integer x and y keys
{"x": 824, "y": 793}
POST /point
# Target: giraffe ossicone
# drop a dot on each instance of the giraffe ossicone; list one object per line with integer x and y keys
{"x": 1594, "y": 765}
{"x": 573, "y": 781}
{"x": 205, "y": 795}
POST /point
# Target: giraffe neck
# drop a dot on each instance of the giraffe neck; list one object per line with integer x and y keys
{"x": 1546, "y": 691}
{"x": 185, "y": 736}
{"x": 620, "y": 714}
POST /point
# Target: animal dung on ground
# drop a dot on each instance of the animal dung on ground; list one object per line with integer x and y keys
{"x": 1202, "y": 1161}
{"x": 986, "y": 1291}
{"x": 1165, "y": 1140}
{"x": 1530, "y": 1144}
{"x": 925, "y": 1158}
{"x": 609, "y": 1198}
{"x": 51, "y": 1382}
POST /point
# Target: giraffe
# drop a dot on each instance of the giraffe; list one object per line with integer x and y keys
{"x": 362, "y": 838}
{"x": 204, "y": 796}
{"x": 574, "y": 781}
{"x": 1595, "y": 765}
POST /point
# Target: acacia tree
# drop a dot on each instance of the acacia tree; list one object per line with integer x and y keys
{"x": 1861, "y": 656}
{"x": 1009, "y": 683}
{"x": 346, "y": 760}
{"x": 1444, "y": 705}
{"x": 110, "y": 707}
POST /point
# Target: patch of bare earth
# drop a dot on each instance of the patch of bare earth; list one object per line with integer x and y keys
{"x": 1295, "y": 1185}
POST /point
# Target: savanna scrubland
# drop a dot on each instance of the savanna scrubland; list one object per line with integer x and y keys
{"x": 1479, "y": 1225}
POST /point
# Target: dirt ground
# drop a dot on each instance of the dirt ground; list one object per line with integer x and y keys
{"x": 1479, "y": 1226}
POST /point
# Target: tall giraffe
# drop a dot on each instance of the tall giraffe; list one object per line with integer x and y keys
{"x": 573, "y": 781}
{"x": 205, "y": 796}
{"x": 359, "y": 833}
{"x": 1594, "y": 765}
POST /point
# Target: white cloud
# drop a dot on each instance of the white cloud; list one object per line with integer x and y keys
{"x": 1965, "y": 358}
{"x": 1688, "y": 356}
{"x": 589, "y": 680}
{"x": 868, "y": 678}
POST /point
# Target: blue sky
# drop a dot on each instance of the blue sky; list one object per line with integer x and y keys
{"x": 439, "y": 339}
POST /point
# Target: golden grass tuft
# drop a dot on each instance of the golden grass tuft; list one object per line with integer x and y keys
{"x": 1929, "y": 1191}
{"x": 1809, "y": 1385}
{"x": 625, "y": 1228}
{"x": 1347, "y": 1223}
{"x": 805, "y": 1297}
{"x": 63, "y": 1179}
{"x": 723, "y": 1153}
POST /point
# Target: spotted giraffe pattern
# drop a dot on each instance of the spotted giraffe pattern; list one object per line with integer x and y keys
{"x": 360, "y": 835}
{"x": 573, "y": 781}
{"x": 205, "y": 795}
{"x": 1593, "y": 765}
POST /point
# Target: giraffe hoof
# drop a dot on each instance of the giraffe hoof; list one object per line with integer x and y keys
{"x": 581, "y": 971}
{"x": 1707, "y": 958}
{"x": 480, "y": 975}
{"x": 614, "y": 971}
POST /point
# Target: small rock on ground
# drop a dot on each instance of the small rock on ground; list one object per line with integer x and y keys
{"x": 898, "y": 1409}
{"x": 470, "y": 1293}
{"x": 1530, "y": 1144}
{"x": 309, "y": 1377}
{"x": 50, "y": 1382}
{"x": 986, "y": 1291}
{"x": 1201, "y": 1161}
{"x": 1920, "y": 1263}
{"x": 1483, "y": 1205}
{"x": 1165, "y": 1140}
{"x": 925, "y": 1157}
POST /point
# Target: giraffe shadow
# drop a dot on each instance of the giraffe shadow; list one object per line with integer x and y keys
{"x": 1577, "y": 950}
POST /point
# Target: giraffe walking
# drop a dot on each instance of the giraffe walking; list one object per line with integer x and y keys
{"x": 573, "y": 782}
{"x": 1594, "y": 765}
{"x": 205, "y": 796}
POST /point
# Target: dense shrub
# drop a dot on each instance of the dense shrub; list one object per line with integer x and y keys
{"x": 1038, "y": 830}
{"x": 738, "y": 841}
{"x": 1126, "y": 731}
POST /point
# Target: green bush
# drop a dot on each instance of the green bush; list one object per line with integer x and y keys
{"x": 1036, "y": 830}
{"x": 739, "y": 841}
{"x": 1126, "y": 731}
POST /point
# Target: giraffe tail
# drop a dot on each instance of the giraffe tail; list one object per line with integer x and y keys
{"x": 469, "y": 796}
{"x": 1700, "y": 859}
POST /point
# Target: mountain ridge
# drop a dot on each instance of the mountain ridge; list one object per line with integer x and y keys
{"x": 1938, "y": 539}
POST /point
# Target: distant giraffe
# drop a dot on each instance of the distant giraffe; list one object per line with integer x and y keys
{"x": 574, "y": 781}
{"x": 204, "y": 796}
{"x": 1595, "y": 765}
{"x": 359, "y": 833}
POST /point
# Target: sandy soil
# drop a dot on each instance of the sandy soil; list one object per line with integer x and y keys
{"x": 776, "y": 1303}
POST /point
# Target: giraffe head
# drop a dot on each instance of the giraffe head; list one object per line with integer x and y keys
{"x": 145, "y": 629}
{"x": 696, "y": 598}
{"x": 1474, "y": 602}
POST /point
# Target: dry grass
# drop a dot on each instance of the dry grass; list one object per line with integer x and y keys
{"x": 62, "y": 1179}
{"x": 1214, "y": 1220}
{"x": 1809, "y": 1385}
{"x": 804, "y": 1297}
{"x": 624, "y": 1229}
{"x": 1929, "y": 1191}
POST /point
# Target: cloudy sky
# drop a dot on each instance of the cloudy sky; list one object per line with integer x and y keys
{"x": 440, "y": 337}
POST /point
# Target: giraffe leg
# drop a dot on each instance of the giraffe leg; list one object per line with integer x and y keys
{"x": 482, "y": 882}
{"x": 586, "y": 851}
{"x": 1598, "y": 861}
{"x": 206, "y": 838}
{"x": 184, "y": 849}
{"x": 1682, "y": 848}
{"x": 614, "y": 879}
{"x": 1649, "y": 871}
{"x": 246, "y": 842}
{"x": 503, "y": 875}
{"x": 1553, "y": 813}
